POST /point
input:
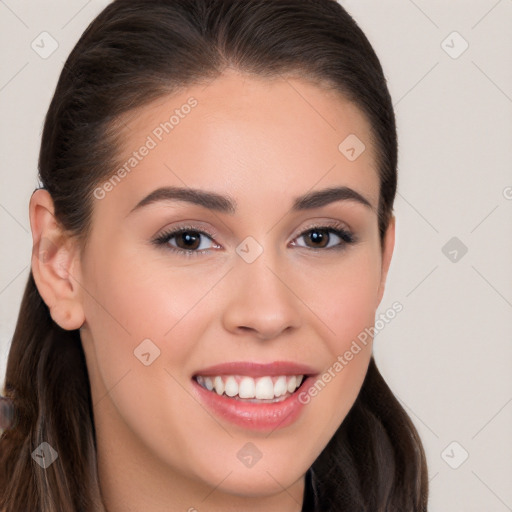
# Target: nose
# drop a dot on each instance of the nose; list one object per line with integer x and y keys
{"x": 261, "y": 300}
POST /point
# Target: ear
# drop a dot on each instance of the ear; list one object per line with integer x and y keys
{"x": 387, "y": 252}
{"x": 55, "y": 263}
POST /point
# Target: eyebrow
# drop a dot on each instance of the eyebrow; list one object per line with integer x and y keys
{"x": 225, "y": 204}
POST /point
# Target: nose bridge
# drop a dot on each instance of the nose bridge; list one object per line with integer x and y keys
{"x": 260, "y": 274}
{"x": 261, "y": 299}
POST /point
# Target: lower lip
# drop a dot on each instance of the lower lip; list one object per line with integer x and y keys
{"x": 254, "y": 416}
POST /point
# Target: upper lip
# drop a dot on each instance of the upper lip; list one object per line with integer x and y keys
{"x": 252, "y": 369}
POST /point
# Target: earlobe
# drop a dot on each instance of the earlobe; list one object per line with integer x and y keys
{"x": 54, "y": 263}
{"x": 387, "y": 253}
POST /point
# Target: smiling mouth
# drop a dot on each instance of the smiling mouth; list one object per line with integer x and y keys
{"x": 265, "y": 389}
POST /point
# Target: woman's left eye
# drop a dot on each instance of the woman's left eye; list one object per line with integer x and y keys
{"x": 188, "y": 240}
{"x": 322, "y": 235}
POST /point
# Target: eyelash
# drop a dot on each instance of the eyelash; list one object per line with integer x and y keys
{"x": 163, "y": 239}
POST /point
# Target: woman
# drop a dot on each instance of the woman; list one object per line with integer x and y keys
{"x": 211, "y": 243}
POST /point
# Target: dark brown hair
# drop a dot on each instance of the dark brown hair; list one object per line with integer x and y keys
{"x": 134, "y": 52}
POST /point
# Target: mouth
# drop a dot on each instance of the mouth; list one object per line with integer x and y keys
{"x": 266, "y": 389}
{"x": 254, "y": 396}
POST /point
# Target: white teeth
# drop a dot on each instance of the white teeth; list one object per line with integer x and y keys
{"x": 219, "y": 385}
{"x": 246, "y": 388}
{"x": 231, "y": 387}
{"x": 292, "y": 384}
{"x": 208, "y": 383}
{"x": 263, "y": 388}
{"x": 280, "y": 386}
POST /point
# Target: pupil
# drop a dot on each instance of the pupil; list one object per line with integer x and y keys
{"x": 318, "y": 238}
{"x": 189, "y": 239}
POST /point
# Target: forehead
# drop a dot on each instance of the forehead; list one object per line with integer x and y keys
{"x": 250, "y": 136}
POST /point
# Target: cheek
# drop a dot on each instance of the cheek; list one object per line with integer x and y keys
{"x": 344, "y": 299}
{"x": 140, "y": 296}
{"x": 133, "y": 299}
{"x": 128, "y": 304}
{"x": 345, "y": 295}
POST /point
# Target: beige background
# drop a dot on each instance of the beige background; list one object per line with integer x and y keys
{"x": 448, "y": 354}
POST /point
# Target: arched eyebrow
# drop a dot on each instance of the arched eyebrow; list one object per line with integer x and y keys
{"x": 226, "y": 204}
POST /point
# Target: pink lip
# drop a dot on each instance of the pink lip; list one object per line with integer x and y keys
{"x": 257, "y": 369}
{"x": 250, "y": 415}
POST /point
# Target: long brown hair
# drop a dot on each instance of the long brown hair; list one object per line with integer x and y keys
{"x": 134, "y": 52}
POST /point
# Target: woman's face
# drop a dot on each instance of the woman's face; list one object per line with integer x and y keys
{"x": 253, "y": 280}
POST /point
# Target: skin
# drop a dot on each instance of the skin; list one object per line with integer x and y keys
{"x": 262, "y": 143}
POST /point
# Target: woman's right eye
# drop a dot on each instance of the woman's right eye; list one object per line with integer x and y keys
{"x": 188, "y": 241}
